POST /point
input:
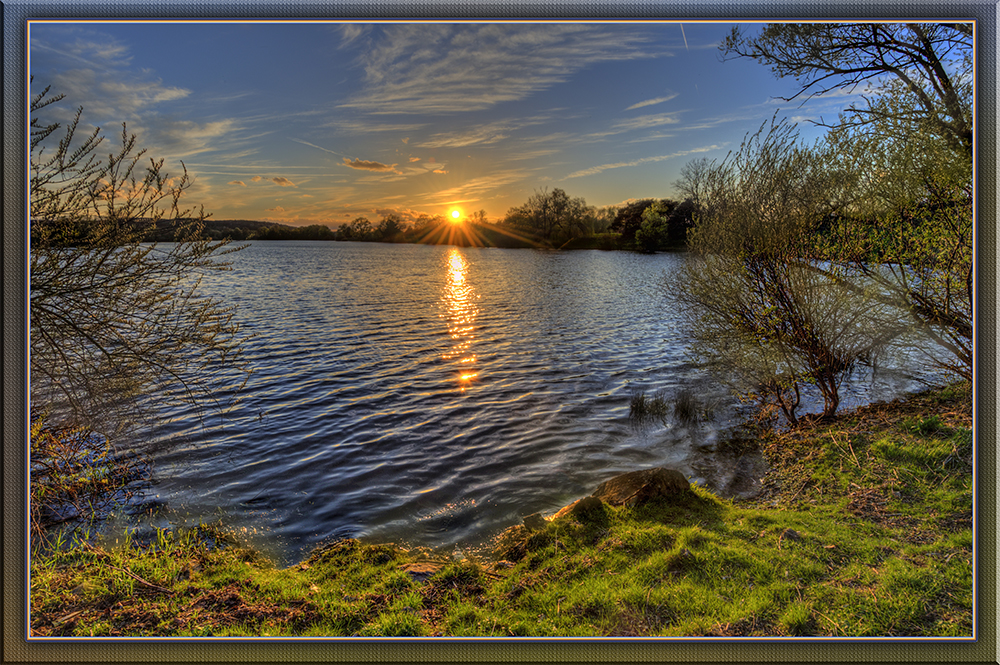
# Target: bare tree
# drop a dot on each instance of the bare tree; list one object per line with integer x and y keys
{"x": 691, "y": 184}
{"x": 929, "y": 63}
{"x": 118, "y": 328}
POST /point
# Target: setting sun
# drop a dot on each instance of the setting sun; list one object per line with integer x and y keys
{"x": 455, "y": 215}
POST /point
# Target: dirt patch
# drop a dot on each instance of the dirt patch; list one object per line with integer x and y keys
{"x": 228, "y": 607}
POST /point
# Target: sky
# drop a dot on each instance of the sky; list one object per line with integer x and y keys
{"x": 323, "y": 122}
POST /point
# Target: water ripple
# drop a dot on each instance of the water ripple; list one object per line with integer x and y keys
{"x": 429, "y": 394}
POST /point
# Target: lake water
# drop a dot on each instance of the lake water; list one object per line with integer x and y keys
{"x": 435, "y": 395}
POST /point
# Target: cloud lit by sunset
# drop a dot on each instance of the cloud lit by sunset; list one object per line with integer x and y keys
{"x": 607, "y": 111}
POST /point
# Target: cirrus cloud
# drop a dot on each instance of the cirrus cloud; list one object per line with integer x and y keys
{"x": 594, "y": 170}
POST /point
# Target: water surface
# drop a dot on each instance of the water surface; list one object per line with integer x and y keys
{"x": 436, "y": 395}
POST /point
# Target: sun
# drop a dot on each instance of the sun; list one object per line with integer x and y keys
{"x": 455, "y": 215}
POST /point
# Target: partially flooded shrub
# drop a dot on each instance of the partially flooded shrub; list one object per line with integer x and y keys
{"x": 77, "y": 477}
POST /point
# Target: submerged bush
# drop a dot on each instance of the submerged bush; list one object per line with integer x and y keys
{"x": 76, "y": 476}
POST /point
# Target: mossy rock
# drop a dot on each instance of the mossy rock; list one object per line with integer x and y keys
{"x": 640, "y": 487}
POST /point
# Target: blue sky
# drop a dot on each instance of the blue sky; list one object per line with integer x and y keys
{"x": 322, "y": 122}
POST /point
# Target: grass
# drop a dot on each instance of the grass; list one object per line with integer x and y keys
{"x": 864, "y": 528}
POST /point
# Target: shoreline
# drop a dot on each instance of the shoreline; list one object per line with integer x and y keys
{"x": 863, "y": 526}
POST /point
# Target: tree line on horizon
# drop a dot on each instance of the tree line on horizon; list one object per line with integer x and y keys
{"x": 546, "y": 219}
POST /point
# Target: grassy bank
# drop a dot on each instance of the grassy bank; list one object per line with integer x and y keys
{"x": 864, "y": 527}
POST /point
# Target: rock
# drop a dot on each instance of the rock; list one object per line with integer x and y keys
{"x": 535, "y": 522}
{"x": 581, "y": 508}
{"x": 639, "y": 487}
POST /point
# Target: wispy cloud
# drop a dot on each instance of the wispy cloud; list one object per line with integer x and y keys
{"x": 658, "y": 136}
{"x": 651, "y": 102}
{"x": 440, "y": 68}
{"x": 640, "y": 122}
{"x": 351, "y": 33}
{"x": 594, "y": 170}
{"x": 476, "y": 187}
{"x": 282, "y": 182}
{"x": 366, "y": 127}
{"x": 484, "y": 135}
{"x": 237, "y": 182}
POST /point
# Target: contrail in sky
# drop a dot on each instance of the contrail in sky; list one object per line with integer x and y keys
{"x": 685, "y": 38}
{"x": 313, "y": 145}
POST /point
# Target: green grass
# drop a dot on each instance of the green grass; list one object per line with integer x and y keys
{"x": 864, "y": 528}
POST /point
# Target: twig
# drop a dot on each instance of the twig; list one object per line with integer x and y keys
{"x": 146, "y": 582}
{"x": 104, "y": 554}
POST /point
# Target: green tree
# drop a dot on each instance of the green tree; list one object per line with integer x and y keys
{"x": 118, "y": 328}
{"x": 654, "y": 233}
{"x": 763, "y": 312}
{"x": 628, "y": 219}
{"x": 909, "y": 228}
{"x": 651, "y": 224}
{"x": 902, "y": 159}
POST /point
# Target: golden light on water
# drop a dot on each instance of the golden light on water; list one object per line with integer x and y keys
{"x": 460, "y": 311}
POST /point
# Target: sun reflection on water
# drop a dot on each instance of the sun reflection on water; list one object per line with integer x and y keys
{"x": 460, "y": 311}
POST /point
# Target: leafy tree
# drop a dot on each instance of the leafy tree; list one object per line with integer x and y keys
{"x": 390, "y": 227}
{"x": 315, "y": 232}
{"x": 761, "y": 311}
{"x": 902, "y": 159}
{"x": 928, "y": 64}
{"x": 909, "y": 228}
{"x": 360, "y": 229}
{"x": 118, "y": 329}
{"x": 666, "y": 225}
{"x": 654, "y": 233}
{"x": 628, "y": 219}
{"x": 603, "y": 218}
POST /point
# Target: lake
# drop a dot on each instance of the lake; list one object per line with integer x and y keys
{"x": 434, "y": 395}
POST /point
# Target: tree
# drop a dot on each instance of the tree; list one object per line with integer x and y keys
{"x": 639, "y": 227}
{"x": 903, "y": 161}
{"x": 550, "y": 216}
{"x": 762, "y": 311}
{"x": 628, "y": 219}
{"x": 118, "y": 329}
{"x": 909, "y": 228}
{"x": 314, "y": 232}
{"x": 930, "y": 64}
{"x": 654, "y": 233}
{"x": 359, "y": 229}
{"x": 390, "y": 226}
{"x": 603, "y": 218}
{"x": 691, "y": 184}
